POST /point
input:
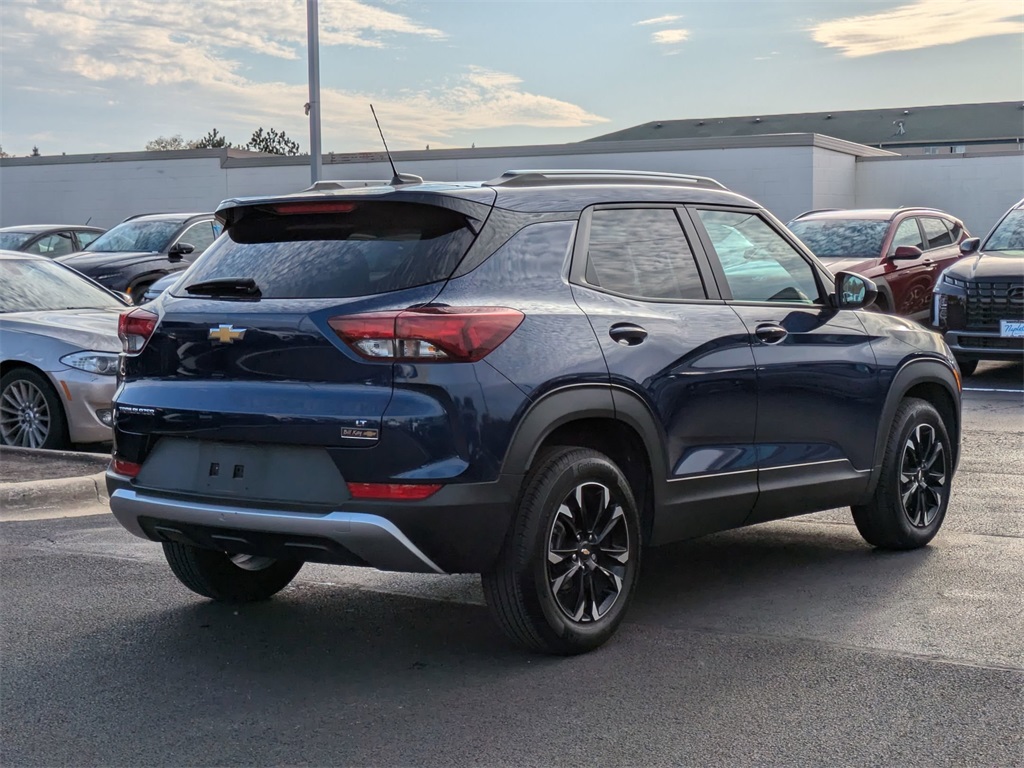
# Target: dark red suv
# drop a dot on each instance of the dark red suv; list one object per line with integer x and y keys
{"x": 903, "y": 250}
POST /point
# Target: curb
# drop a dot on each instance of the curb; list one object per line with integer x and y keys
{"x": 39, "y": 494}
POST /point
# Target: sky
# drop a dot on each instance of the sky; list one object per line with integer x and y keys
{"x": 93, "y": 76}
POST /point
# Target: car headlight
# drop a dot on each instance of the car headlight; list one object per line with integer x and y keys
{"x": 956, "y": 282}
{"x": 103, "y": 363}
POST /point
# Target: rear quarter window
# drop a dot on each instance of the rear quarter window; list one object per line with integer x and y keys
{"x": 375, "y": 247}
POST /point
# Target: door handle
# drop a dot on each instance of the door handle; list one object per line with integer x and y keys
{"x": 627, "y": 334}
{"x": 770, "y": 333}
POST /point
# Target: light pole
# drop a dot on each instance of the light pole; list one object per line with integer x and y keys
{"x": 313, "y": 45}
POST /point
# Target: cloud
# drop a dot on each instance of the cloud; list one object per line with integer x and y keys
{"x": 658, "y": 20}
{"x": 670, "y": 36}
{"x": 142, "y": 53}
{"x": 922, "y": 24}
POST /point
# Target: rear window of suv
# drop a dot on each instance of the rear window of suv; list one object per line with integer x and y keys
{"x": 359, "y": 248}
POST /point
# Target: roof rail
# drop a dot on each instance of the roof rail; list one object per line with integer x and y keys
{"x": 536, "y": 178}
{"x": 815, "y": 210}
{"x": 137, "y": 215}
{"x": 905, "y": 208}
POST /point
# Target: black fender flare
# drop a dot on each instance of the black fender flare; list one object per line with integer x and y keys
{"x": 576, "y": 402}
{"x": 909, "y": 375}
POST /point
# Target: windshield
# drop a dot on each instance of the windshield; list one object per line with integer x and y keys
{"x": 1009, "y": 235}
{"x": 842, "y": 238}
{"x": 131, "y": 236}
{"x": 32, "y": 286}
{"x": 367, "y": 248}
{"x": 12, "y": 241}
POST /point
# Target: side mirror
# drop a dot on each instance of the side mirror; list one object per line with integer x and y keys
{"x": 906, "y": 253}
{"x": 969, "y": 246}
{"x": 854, "y": 291}
{"x": 180, "y": 249}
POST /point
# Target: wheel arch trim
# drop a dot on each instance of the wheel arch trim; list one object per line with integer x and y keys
{"x": 579, "y": 402}
{"x": 910, "y": 374}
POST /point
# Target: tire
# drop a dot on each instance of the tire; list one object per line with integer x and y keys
{"x": 31, "y": 413}
{"x": 216, "y": 575}
{"x": 569, "y": 490}
{"x": 967, "y": 367}
{"x": 908, "y": 505}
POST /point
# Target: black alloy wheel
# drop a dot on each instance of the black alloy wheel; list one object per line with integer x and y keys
{"x": 910, "y": 500}
{"x": 567, "y": 571}
{"x": 923, "y": 478}
{"x": 588, "y": 551}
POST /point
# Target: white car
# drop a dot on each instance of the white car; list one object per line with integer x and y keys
{"x": 59, "y": 353}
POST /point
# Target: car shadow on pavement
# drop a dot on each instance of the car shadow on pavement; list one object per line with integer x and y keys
{"x": 792, "y": 578}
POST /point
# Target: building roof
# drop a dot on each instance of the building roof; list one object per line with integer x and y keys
{"x": 899, "y": 126}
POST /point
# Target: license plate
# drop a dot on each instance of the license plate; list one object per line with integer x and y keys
{"x": 1013, "y": 329}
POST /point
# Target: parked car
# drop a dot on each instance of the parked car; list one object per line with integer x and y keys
{"x": 58, "y": 354}
{"x": 50, "y": 240}
{"x": 153, "y": 291}
{"x": 979, "y": 301}
{"x": 528, "y": 378}
{"x": 902, "y": 250}
{"x": 140, "y": 250}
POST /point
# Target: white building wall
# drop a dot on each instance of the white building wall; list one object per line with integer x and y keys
{"x": 777, "y": 177}
{"x": 834, "y": 180}
{"x": 975, "y": 188}
{"x": 106, "y": 192}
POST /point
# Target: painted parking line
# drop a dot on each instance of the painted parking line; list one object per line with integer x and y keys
{"x": 990, "y": 389}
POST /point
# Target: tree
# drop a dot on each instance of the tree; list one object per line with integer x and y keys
{"x": 272, "y": 142}
{"x": 212, "y": 140}
{"x": 2, "y": 153}
{"x": 35, "y": 152}
{"x": 162, "y": 143}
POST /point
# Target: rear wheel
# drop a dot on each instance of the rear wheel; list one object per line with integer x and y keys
{"x": 910, "y": 501}
{"x": 31, "y": 414}
{"x": 229, "y": 578}
{"x": 569, "y": 566}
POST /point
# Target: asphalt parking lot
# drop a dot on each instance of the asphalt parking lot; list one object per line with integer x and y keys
{"x": 790, "y": 643}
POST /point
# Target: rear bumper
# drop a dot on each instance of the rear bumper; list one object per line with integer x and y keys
{"x": 459, "y": 530}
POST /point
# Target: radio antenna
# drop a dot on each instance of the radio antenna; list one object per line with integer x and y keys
{"x": 399, "y": 178}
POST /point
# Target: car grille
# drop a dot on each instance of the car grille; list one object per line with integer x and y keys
{"x": 989, "y": 302}
{"x": 989, "y": 342}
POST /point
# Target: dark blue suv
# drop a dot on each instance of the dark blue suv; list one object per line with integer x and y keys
{"x": 531, "y": 378}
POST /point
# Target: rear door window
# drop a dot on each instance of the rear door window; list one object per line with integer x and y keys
{"x": 642, "y": 253}
{"x": 358, "y": 249}
{"x": 935, "y": 233}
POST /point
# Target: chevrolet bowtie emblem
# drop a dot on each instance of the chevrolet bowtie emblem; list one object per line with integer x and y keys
{"x": 227, "y": 334}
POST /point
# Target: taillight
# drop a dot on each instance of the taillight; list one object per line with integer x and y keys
{"x": 392, "y": 491}
{"x": 442, "y": 334}
{"x": 134, "y": 329}
{"x": 126, "y": 468}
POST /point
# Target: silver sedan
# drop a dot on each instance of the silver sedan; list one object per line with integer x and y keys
{"x": 58, "y": 354}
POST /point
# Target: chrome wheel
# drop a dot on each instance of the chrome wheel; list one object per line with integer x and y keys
{"x": 24, "y": 415}
{"x": 588, "y": 549}
{"x": 252, "y": 562}
{"x": 922, "y": 476}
